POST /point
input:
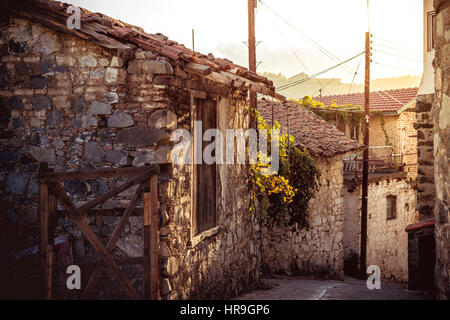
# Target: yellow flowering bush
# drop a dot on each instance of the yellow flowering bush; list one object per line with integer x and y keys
{"x": 278, "y": 197}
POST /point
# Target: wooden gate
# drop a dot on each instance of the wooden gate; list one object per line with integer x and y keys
{"x": 52, "y": 192}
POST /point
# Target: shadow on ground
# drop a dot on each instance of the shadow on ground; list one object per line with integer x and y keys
{"x": 293, "y": 288}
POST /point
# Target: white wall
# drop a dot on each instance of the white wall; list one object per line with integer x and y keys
{"x": 427, "y": 83}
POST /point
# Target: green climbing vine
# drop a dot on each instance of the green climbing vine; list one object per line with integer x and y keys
{"x": 383, "y": 128}
{"x": 282, "y": 198}
{"x": 351, "y": 115}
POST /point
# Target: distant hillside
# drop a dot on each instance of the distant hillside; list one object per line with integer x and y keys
{"x": 332, "y": 86}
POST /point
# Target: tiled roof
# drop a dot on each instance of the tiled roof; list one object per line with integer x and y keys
{"x": 308, "y": 129}
{"x": 381, "y": 101}
{"x": 115, "y": 34}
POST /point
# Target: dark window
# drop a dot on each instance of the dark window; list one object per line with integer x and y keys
{"x": 354, "y": 133}
{"x": 204, "y": 184}
{"x": 391, "y": 207}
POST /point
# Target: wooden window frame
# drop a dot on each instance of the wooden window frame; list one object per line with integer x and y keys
{"x": 391, "y": 207}
{"x": 199, "y": 234}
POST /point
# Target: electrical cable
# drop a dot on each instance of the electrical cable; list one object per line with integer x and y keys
{"x": 283, "y": 87}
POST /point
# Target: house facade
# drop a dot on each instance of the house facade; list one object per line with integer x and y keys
{"x": 391, "y": 208}
{"x": 391, "y": 123}
{"x": 441, "y": 144}
{"x": 109, "y": 95}
{"x": 392, "y": 190}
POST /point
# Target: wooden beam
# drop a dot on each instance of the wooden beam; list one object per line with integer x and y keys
{"x": 115, "y": 236}
{"x": 44, "y": 220}
{"x": 197, "y": 68}
{"x": 52, "y": 220}
{"x": 114, "y": 212}
{"x": 154, "y": 238}
{"x": 147, "y": 240}
{"x": 94, "y": 174}
{"x": 83, "y": 209}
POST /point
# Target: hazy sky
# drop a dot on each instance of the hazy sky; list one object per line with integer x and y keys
{"x": 337, "y": 26}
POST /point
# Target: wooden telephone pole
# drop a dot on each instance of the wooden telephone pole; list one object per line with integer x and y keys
{"x": 252, "y": 52}
{"x": 365, "y": 178}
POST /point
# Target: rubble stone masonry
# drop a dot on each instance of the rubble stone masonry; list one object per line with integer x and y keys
{"x": 319, "y": 249}
{"x": 441, "y": 118}
{"x": 425, "y": 159}
{"x": 387, "y": 242}
{"x": 77, "y": 105}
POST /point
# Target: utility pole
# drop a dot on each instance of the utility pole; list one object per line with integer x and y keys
{"x": 365, "y": 178}
{"x": 252, "y": 53}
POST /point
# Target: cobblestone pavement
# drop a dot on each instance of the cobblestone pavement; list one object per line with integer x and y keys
{"x": 293, "y": 288}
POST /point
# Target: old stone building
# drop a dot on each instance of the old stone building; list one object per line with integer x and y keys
{"x": 106, "y": 95}
{"x": 318, "y": 250}
{"x": 391, "y": 208}
{"x": 391, "y": 123}
{"x": 441, "y": 144}
{"x": 432, "y": 122}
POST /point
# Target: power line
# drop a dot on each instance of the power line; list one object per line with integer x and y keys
{"x": 394, "y": 43}
{"x": 283, "y": 87}
{"x": 354, "y": 76}
{"x": 326, "y": 84}
{"x": 290, "y": 47}
{"x": 316, "y": 44}
{"x": 394, "y": 67}
{"x": 397, "y": 56}
{"x": 399, "y": 50}
{"x": 385, "y": 92}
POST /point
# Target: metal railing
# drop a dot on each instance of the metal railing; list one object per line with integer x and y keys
{"x": 381, "y": 160}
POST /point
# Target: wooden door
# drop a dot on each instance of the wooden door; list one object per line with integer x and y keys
{"x": 204, "y": 193}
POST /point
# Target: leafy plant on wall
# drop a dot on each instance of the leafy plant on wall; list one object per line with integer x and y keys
{"x": 352, "y": 115}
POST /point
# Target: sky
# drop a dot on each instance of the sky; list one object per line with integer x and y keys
{"x": 285, "y": 29}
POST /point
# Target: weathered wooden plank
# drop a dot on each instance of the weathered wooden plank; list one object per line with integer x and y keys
{"x": 115, "y": 212}
{"x": 93, "y": 174}
{"x": 197, "y": 68}
{"x": 82, "y": 209}
{"x": 106, "y": 257}
{"x": 147, "y": 240}
{"x": 115, "y": 236}
{"x": 44, "y": 221}
{"x": 154, "y": 239}
{"x": 50, "y": 242}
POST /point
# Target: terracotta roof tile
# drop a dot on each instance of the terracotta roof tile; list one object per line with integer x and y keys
{"x": 112, "y": 33}
{"x": 308, "y": 129}
{"x": 381, "y": 101}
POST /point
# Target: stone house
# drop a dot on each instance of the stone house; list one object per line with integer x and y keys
{"x": 433, "y": 121}
{"x": 108, "y": 95}
{"x": 391, "y": 208}
{"x": 391, "y": 192}
{"x": 318, "y": 250}
{"x": 391, "y": 122}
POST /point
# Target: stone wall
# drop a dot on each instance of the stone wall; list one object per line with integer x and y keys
{"x": 424, "y": 124}
{"x": 76, "y": 105}
{"x": 318, "y": 250}
{"x": 408, "y": 142}
{"x": 223, "y": 261}
{"x": 441, "y": 121}
{"x": 387, "y": 241}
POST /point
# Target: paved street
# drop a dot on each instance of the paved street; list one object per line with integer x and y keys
{"x": 292, "y": 288}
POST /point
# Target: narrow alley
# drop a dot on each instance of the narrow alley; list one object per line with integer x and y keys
{"x": 294, "y": 288}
